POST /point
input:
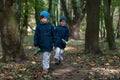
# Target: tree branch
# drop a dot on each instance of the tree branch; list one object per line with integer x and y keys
{"x": 50, "y": 6}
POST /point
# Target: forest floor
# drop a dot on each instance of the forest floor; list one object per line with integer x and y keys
{"x": 76, "y": 65}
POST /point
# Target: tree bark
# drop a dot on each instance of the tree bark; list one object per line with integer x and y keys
{"x": 118, "y": 26}
{"x": 25, "y": 19}
{"x": 10, "y": 34}
{"x": 37, "y": 11}
{"x": 109, "y": 25}
{"x": 50, "y": 6}
{"x": 92, "y": 29}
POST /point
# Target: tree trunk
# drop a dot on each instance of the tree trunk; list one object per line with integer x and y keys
{"x": 25, "y": 20}
{"x": 102, "y": 29}
{"x": 109, "y": 25}
{"x": 37, "y": 11}
{"x": 50, "y": 6}
{"x": 74, "y": 30}
{"x": 10, "y": 35}
{"x": 118, "y": 26}
{"x": 92, "y": 29}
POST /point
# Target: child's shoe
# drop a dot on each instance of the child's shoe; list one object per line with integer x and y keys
{"x": 57, "y": 62}
{"x": 45, "y": 72}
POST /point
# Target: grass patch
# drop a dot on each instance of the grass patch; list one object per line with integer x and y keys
{"x": 28, "y": 40}
{"x": 76, "y": 42}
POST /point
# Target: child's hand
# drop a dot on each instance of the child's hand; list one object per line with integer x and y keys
{"x": 37, "y": 51}
{"x": 54, "y": 47}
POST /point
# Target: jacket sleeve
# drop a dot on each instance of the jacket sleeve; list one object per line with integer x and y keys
{"x": 66, "y": 35}
{"x": 36, "y": 39}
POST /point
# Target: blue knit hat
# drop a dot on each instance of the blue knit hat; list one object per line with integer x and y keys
{"x": 63, "y": 17}
{"x": 45, "y": 14}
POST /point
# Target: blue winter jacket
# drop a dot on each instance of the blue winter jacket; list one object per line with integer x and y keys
{"x": 61, "y": 32}
{"x": 44, "y": 36}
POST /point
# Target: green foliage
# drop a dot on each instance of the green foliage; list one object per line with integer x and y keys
{"x": 1, "y": 67}
{"x": 27, "y": 66}
{"x": 28, "y": 41}
{"x": 55, "y": 2}
{"x": 41, "y": 4}
{"x": 76, "y": 42}
{"x": 116, "y": 3}
{"x": 28, "y": 9}
{"x": 17, "y": 71}
{"x": 21, "y": 78}
{"x": 117, "y": 42}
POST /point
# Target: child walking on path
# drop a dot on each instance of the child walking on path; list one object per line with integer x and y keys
{"x": 61, "y": 38}
{"x": 43, "y": 39}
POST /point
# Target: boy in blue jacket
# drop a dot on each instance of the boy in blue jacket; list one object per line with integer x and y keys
{"x": 61, "y": 38}
{"x": 43, "y": 39}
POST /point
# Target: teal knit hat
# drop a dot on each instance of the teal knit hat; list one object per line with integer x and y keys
{"x": 63, "y": 17}
{"x": 45, "y": 14}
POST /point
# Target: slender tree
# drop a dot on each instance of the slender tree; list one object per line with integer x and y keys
{"x": 118, "y": 26}
{"x": 50, "y": 6}
{"x": 92, "y": 29}
{"x": 102, "y": 29}
{"x": 37, "y": 11}
{"x": 54, "y": 10}
{"x": 109, "y": 24}
{"x": 25, "y": 18}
